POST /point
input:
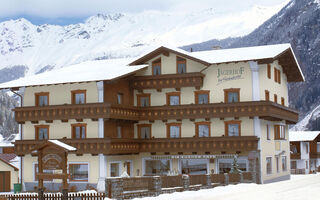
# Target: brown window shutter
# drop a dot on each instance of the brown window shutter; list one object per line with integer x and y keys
{"x": 269, "y": 70}
{"x": 279, "y": 76}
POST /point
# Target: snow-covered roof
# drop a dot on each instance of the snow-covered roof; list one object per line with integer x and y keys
{"x": 63, "y": 145}
{"x": 7, "y": 142}
{"x": 218, "y": 56}
{"x": 296, "y": 136}
{"x": 84, "y": 72}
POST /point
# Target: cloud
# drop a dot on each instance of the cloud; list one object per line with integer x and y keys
{"x": 83, "y": 8}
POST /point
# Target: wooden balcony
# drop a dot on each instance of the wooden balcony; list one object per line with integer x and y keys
{"x": 159, "y": 82}
{"x": 109, "y": 146}
{"x": 75, "y": 111}
{"x": 296, "y": 156}
{"x": 263, "y": 109}
{"x": 314, "y": 155}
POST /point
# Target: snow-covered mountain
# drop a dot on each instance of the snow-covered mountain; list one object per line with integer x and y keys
{"x": 26, "y": 49}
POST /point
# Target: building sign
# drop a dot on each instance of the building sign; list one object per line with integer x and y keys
{"x": 52, "y": 161}
{"x": 225, "y": 75}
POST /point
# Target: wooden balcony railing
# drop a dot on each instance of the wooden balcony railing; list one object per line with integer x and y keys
{"x": 168, "y": 81}
{"x": 296, "y": 156}
{"x": 109, "y": 146}
{"x": 262, "y": 109}
{"x": 314, "y": 154}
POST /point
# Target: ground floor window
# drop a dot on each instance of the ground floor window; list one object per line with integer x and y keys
{"x": 277, "y": 164}
{"x": 79, "y": 172}
{"x": 284, "y": 163}
{"x": 157, "y": 167}
{"x": 194, "y": 166}
{"x": 293, "y": 164}
{"x": 114, "y": 169}
{"x": 269, "y": 165}
{"x": 226, "y": 164}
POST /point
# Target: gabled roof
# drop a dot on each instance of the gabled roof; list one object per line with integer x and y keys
{"x": 57, "y": 143}
{"x": 297, "y": 136}
{"x": 10, "y": 165}
{"x": 97, "y": 70}
{"x": 262, "y": 54}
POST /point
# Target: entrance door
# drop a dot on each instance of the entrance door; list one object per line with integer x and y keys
{"x": 5, "y": 181}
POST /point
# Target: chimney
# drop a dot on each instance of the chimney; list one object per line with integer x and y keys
{"x": 216, "y": 47}
{"x": 191, "y": 50}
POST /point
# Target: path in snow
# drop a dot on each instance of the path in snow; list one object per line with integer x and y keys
{"x": 300, "y": 187}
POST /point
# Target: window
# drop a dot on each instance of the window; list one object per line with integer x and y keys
{"x": 173, "y": 98}
{"x": 277, "y": 75}
{"x": 202, "y": 97}
{"x": 279, "y": 132}
{"x": 174, "y": 130}
{"x": 114, "y": 169}
{"x": 269, "y": 165}
{"x": 46, "y": 171}
{"x": 78, "y": 96}
{"x": 42, "y": 98}
{"x": 119, "y": 132}
{"x": 284, "y": 163}
{"x": 143, "y": 100}
{"x": 231, "y": 95}
{"x": 202, "y": 129}
{"x": 79, "y": 131}
{"x": 267, "y": 94}
{"x": 307, "y": 165}
{"x": 318, "y": 147}
{"x": 194, "y": 166}
{"x": 275, "y": 97}
{"x": 277, "y": 164}
{"x": 268, "y": 132}
{"x": 144, "y": 131}
{"x": 293, "y": 164}
{"x": 119, "y": 98}
{"x": 232, "y": 128}
{"x": 282, "y": 101}
{"x": 157, "y": 167}
{"x": 42, "y": 132}
{"x": 269, "y": 71}
{"x": 156, "y": 67}
{"x": 181, "y": 65}
{"x": 78, "y": 172}
{"x": 225, "y": 165}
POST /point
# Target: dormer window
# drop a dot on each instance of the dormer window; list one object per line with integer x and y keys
{"x": 181, "y": 65}
{"x": 42, "y": 98}
{"x": 78, "y": 96}
{"x": 156, "y": 67}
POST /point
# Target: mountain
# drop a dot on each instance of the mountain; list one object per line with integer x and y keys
{"x": 298, "y": 23}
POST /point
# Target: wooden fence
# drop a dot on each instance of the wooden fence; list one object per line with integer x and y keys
{"x": 137, "y": 183}
{"x": 54, "y": 196}
{"x": 171, "y": 181}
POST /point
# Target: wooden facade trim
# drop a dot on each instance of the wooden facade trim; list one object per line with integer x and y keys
{"x": 139, "y": 126}
{"x": 226, "y": 92}
{"x": 159, "y": 82}
{"x": 202, "y": 123}
{"x": 73, "y": 126}
{"x": 198, "y": 92}
{"x": 169, "y": 94}
{"x": 143, "y": 95}
{"x": 113, "y": 146}
{"x": 73, "y": 95}
{"x": 38, "y": 94}
{"x": 37, "y": 127}
{"x": 173, "y": 124}
{"x": 226, "y": 126}
{"x": 263, "y": 109}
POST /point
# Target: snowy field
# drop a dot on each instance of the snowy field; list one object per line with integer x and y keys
{"x": 300, "y": 187}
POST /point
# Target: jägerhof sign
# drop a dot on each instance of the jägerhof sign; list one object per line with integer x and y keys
{"x": 225, "y": 75}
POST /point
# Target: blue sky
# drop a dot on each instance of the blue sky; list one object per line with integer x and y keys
{"x": 65, "y": 12}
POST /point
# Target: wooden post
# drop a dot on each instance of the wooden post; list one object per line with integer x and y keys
{"x": 40, "y": 171}
{"x": 65, "y": 181}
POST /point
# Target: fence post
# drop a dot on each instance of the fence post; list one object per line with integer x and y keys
{"x": 208, "y": 177}
{"x": 156, "y": 185}
{"x": 114, "y": 188}
{"x": 226, "y": 179}
{"x": 64, "y": 194}
{"x": 241, "y": 177}
{"x": 185, "y": 182}
{"x": 40, "y": 194}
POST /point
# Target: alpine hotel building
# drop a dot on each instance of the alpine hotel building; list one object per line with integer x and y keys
{"x": 167, "y": 112}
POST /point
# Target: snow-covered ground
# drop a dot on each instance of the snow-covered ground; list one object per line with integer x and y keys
{"x": 300, "y": 187}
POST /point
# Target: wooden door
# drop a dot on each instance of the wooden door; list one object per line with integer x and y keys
{"x": 129, "y": 168}
{"x": 5, "y": 181}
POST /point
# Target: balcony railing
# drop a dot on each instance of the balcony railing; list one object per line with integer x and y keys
{"x": 168, "y": 81}
{"x": 296, "y": 156}
{"x": 314, "y": 154}
{"x": 263, "y": 109}
{"x": 110, "y": 146}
